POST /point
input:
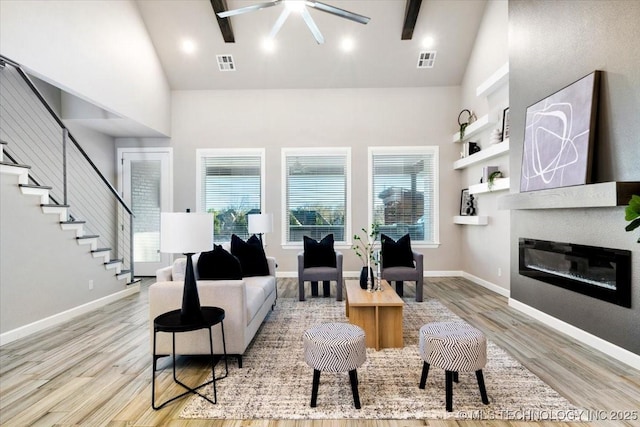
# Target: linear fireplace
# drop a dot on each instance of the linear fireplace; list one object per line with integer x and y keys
{"x": 598, "y": 272}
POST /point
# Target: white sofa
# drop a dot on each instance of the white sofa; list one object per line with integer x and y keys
{"x": 246, "y": 303}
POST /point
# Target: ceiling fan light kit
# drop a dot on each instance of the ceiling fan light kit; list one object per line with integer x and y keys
{"x": 301, "y": 7}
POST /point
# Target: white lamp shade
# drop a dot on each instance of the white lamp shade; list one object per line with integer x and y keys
{"x": 182, "y": 232}
{"x": 260, "y": 223}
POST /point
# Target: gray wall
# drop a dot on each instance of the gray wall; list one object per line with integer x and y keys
{"x": 552, "y": 44}
{"x": 355, "y": 118}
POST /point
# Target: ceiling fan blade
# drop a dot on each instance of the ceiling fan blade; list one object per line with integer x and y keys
{"x": 339, "y": 12}
{"x": 280, "y": 22}
{"x": 246, "y": 9}
{"x": 312, "y": 25}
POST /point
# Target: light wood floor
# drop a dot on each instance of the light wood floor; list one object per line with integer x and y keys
{"x": 96, "y": 370}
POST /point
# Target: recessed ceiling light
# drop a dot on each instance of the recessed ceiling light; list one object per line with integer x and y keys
{"x": 269, "y": 44}
{"x": 347, "y": 44}
{"x": 428, "y": 42}
{"x": 188, "y": 46}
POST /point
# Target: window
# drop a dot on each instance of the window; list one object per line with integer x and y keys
{"x": 403, "y": 195}
{"x": 317, "y": 188}
{"x": 230, "y": 184}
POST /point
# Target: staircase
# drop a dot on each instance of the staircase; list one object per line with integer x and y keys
{"x": 67, "y": 223}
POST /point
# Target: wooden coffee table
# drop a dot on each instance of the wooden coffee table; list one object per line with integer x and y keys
{"x": 378, "y": 313}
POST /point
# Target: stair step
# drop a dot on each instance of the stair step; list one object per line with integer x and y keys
{"x": 95, "y": 251}
{"x": 114, "y": 261}
{"x": 3, "y": 142}
{"x": 88, "y": 236}
{"x": 72, "y": 222}
{"x": 53, "y": 205}
{"x": 16, "y": 165}
{"x": 123, "y": 274}
{"x": 37, "y": 187}
{"x": 134, "y": 281}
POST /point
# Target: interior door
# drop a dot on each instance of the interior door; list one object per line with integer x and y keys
{"x": 145, "y": 187}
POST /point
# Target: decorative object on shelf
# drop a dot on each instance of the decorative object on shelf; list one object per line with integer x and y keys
{"x": 505, "y": 123}
{"x": 470, "y": 118}
{"x": 187, "y": 233}
{"x": 491, "y": 181}
{"x": 495, "y": 137}
{"x": 559, "y": 135}
{"x": 467, "y": 203}
{"x": 486, "y": 171}
{"x": 473, "y": 148}
{"x": 632, "y": 213}
{"x": 364, "y": 249}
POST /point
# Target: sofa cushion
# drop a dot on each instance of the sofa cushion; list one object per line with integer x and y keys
{"x": 251, "y": 255}
{"x": 266, "y": 283}
{"x": 319, "y": 254}
{"x": 218, "y": 264}
{"x": 396, "y": 254}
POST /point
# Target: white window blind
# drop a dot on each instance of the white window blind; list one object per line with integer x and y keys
{"x": 404, "y": 192}
{"x": 316, "y": 188}
{"x": 231, "y": 187}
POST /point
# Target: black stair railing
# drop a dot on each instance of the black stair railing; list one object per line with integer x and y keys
{"x": 36, "y": 135}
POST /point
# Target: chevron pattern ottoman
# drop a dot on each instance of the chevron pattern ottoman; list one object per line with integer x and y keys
{"x": 334, "y": 347}
{"x": 454, "y": 347}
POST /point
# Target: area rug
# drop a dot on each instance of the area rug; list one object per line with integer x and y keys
{"x": 275, "y": 382}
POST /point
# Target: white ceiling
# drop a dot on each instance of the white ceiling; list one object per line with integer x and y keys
{"x": 380, "y": 57}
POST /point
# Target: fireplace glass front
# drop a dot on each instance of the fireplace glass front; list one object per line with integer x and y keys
{"x": 602, "y": 273}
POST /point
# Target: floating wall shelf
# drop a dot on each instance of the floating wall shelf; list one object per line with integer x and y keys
{"x": 471, "y": 220}
{"x": 476, "y": 127}
{"x": 494, "y": 82}
{"x": 604, "y": 194}
{"x": 490, "y": 152}
{"x": 498, "y": 185}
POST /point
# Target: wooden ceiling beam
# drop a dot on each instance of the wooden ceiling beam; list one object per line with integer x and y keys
{"x": 410, "y": 18}
{"x": 223, "y": 23}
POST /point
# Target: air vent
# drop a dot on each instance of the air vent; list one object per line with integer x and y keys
{"x": 225, "y": 63}
{"x": 427, "y": 59}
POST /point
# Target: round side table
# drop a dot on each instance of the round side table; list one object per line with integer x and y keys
{"x": 171, "y": 322}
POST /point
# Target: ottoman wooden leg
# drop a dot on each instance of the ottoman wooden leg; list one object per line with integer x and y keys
{"x": 353, "y": 376}
{"x": 483, "y": 390}
{"x": 449, "y": 390}
{"x": 314, "y": 389}
{"x": 425, "y": 372}
{"x": 455, "y": 377}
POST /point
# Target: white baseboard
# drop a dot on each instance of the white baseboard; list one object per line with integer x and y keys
{"x": 445, "y": 273}
{"x": 597, "y": 343}
{"x": 65, "y": 316}
{"x": 485, "y": 284}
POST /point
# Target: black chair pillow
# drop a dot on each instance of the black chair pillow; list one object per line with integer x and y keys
{"x": 251, "y": 255}
{"x": 319, "y": 254}
{"x": 396, "y": 254}
{"x": 219, "y": 264}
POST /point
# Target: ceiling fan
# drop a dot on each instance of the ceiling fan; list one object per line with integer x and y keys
{"x": 301, "y": 7}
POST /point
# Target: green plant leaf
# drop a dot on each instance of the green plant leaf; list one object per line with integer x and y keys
{"x": 633, "y": 210}
{"x": 633, "y": 225}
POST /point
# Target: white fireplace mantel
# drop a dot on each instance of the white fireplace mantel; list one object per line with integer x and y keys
{"x": 604, "y": 194}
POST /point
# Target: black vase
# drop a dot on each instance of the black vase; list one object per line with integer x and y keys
{"x": 363, "y": 277}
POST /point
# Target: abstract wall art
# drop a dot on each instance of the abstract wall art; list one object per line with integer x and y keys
{"x": 559, "y": 135}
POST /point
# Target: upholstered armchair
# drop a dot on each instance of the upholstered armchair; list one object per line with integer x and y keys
{"x": 320, "y": 269}
{"x": 400, "y": 263}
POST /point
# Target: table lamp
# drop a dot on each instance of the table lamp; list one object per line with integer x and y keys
{"x": 187, "y": 233}
{"x": 260, "y": 224}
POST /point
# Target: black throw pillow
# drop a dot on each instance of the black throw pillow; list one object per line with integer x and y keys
{"x": 251, "y": 255}
{"x": 219, "y": 264}
{"x": 396, "y": 254}
{"x": 319, "y": 254}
